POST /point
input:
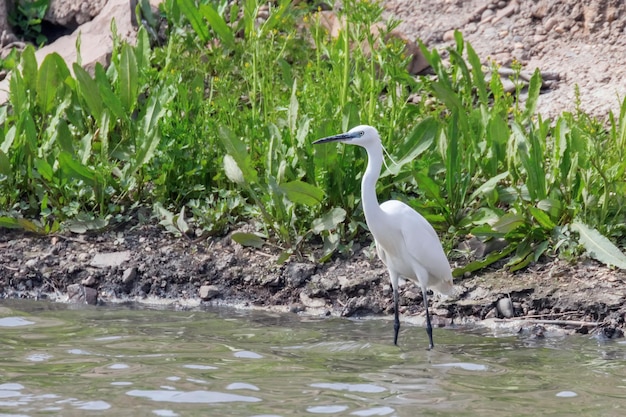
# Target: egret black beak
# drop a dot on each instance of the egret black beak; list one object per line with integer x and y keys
{"x": 336, "y": 138}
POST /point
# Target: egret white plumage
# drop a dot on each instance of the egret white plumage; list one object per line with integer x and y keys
{"x": 405, "y": 242}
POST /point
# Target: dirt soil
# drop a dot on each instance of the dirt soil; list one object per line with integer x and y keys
{"x": 585, "y": 44}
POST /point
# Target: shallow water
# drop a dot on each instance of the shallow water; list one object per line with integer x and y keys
{"x": 63, "y": 360}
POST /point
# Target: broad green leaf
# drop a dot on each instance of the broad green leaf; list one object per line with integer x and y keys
{"x": 429, "y": 187}
{"x": 74, "y": 169}
{"x": 52, "y": 73}
{"x": 18, "y": 93}
{"x": 9, "y": 222}
{"x": 523, "y": 256}
{"x": 232, "y": 170}
{"x": 145, "y": 150}
{"x": 109, "y": 98}
{"x": 331, "y": 243}
{"x": 149, "y": 138}
{"x": 447, "y": 96}
{"x": 31, "y": 226}
{"x": 551, "y": 206}
{"x": 302, "y": 193}
{"x": 181, "y": 224}
{"x": 509, "y": 222}
{"x": 598, "y": 246}
{"x": 329, "y": 221}
{"x": 534, "y": 88}
{"x": 248, "y": 239}
{"x": 29, "y": 131}
{"x": 418, "y": 141}
{"x": 29, "y": 70}
{"x": 155, "y": 109}
{"x": 478, "y": 74}
{"x": 167, "y": 218}
{"x": 5, "y": 164}
{"x": 128, "y": 83}
{"x": 44, "y": 169}
{"x": 489, "y": 185}
{"x": 542, "y": 218}
{"x": 103, "y": 133}
{"x": 189, "y": 9}
{"x": 84, "y": 223}
{"x": 237, "y": 149}
{"x": 483, "y": 263}
{"x": 8, "y": 139}
{"x": 222, "y": 30}
{"x": 142, "y": 49}
{"x": 88, "y": 89}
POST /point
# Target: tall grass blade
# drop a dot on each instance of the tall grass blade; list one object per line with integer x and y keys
{"x": 109, "y": 98}
{"x": 189, "y": 9}
{"x": 88, "y": 89}
{"x": 29, "y": 70}
{"x": 478, "y": 75}
{"x": 534, "y": 88}
{"x": 128, "y": 83}
{"x": 218, "y": 24}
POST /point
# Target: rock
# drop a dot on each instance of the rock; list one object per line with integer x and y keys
{"x": 334, "y": 25}
{"x": 297, "y": 273}
{"x": 79, "y": 294}
{"x": 110, "y": 259}
{"x": 90, "y": 281}
{"x": 208, "y": 292}
{"x": 129, "y": 275}
{"x": 6, "y": 32}
{"x": 31, "y": 263}
{"x": 363, "y": 304}
{"x": 540, "y": 10}
{"x": 505, "y": 307}
{"x": 487, "y": 15}
{"x": 311, "y": 302}
{"x": 448, "y": 35}
{"x": 72, "y": 13}
{"x": 96, "y": 39}
{"x": 506, "y": 11}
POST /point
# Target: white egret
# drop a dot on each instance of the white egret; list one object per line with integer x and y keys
{"x": 405, "y": 241}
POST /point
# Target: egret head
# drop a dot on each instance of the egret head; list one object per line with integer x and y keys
{"x": 363, "y": 135}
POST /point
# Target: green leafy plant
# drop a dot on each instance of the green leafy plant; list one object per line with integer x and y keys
{"x": 26, "y": 18}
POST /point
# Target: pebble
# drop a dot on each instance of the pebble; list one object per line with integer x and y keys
{"x": 505, "y": 307}
{"x": 79, "y": 294}
{"x": 208, "y": 292}
{"x": 298, "y": 273}
{"x": 31, "y": 263}
{"x": 129, "y": 275}
{"x": 90, "y": 281}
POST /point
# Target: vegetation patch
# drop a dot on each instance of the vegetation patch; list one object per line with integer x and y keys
{"x": 214, "y": 128}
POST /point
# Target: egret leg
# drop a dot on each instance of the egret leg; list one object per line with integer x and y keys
{"x": 396, "y": 316}
{"x": 429, "y": 326}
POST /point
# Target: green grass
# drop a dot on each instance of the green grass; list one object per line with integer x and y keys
{"x": 215, "y": 128}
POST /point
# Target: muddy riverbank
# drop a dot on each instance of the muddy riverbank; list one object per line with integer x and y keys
{"x": 147, "y": 264}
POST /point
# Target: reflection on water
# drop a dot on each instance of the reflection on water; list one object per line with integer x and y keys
{"x": 58, "y": 360}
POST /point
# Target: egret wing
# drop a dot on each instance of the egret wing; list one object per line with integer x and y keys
{"x": 422, "y": 244}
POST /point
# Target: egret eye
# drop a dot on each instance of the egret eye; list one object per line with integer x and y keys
{"x": 361, "y": 133}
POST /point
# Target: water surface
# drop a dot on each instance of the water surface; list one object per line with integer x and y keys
{"x": 57, "y": 359}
